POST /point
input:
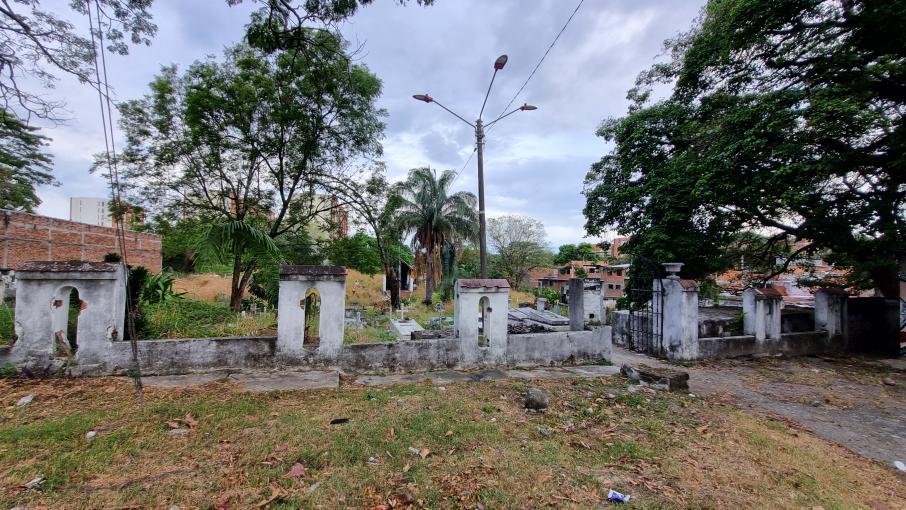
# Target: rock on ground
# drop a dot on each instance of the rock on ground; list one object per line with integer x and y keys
{"x": 537, "y": 399}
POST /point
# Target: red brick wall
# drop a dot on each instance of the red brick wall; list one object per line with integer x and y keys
{"x": 25, "y": 237}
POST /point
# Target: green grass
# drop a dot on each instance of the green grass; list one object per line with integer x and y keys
{"x": 188, "y": 318}
{"x": 481, "y": 449}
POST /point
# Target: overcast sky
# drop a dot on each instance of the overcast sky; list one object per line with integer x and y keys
{"x": 535, "y": 162}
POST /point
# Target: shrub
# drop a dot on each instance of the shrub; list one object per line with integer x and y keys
{"x": 7, "y": 325}
{"x": 188, "y": 318}
{"x": 159, "y": 288}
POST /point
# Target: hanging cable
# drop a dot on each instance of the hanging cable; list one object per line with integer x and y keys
{"x": 538, "y": 65}
{"x": 113, "y": 178}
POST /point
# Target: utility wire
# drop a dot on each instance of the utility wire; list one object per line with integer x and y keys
{"x": 538, "y": 65}
{"x": 113, "y": 177}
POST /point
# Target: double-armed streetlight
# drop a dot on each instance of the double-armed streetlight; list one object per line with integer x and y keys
{"x": 478, "y": 126}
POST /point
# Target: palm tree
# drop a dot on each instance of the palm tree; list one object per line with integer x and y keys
{"x": 435, "y": 217}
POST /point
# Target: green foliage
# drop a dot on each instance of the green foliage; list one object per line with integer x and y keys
{"x": 24, "y": 163}
{"x": 7, "y": 324}
{"x": 520, "y": 243}
{"x": 570, "y": 252}
{"x": 188, "y": 318}
{"x": 551, "y": 295}
{"x": 251, "y": 141}
{"x": 295, "y": 248}
{"x": 113, "y": 257}
{"x": 360, "y": 252}
{"x": 785, "y": 118}
{"x": 8, "y": 370}
{"x": 159, "y": 288}
{"x": 179, "y": 238}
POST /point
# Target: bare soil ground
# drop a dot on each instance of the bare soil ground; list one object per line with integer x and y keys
{"x": 475, "y": 447}
{"x": 859, "y": 403}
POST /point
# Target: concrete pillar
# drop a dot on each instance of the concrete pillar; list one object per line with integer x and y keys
{"x": 761, "y": 313}
{"x": 541, "y": 304}
{"x": 576, "y": 304}
{"x": 493, "y": 296}
{"x": 830, "y": 313}
{"x": 680, "y": 318}
{"x": 295, "y": 282}
{"x": 42, "y": 309}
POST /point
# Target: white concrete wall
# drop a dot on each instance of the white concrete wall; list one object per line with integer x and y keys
{"x": 291, "y": 313}
{"x": 100, "y": 322}
{"x": 680, "y": 338}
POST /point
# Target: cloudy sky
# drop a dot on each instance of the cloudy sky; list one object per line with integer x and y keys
{"x": 535, "y": 161}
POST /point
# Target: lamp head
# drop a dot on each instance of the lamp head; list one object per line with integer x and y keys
{"x": 528, "y": 107}
{"x": 423, "y": 97}
{"x": 500, "y": 62}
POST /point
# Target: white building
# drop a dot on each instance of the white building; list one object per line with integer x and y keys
{"x": 94, "y": 211}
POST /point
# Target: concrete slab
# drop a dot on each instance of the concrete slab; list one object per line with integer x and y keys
{"x": 895, "y": 363}
{"x": 594, "y": 370}
{"x": 539, "y": 373}
{"x": 285, "y": 381}
{"x": 182, "y": 381}
{"x": 404, "y": 328}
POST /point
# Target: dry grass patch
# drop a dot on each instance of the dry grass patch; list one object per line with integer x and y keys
{"x": 474, "y": 445}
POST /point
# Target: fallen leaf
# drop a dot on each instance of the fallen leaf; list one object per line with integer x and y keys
{"x": 190, "y": 421}
{"x": 448, "y": 433}
{"x": 173, "y": 424}
{"x": 407, "y": 467}
{"x": 424, "y": 452}
{"x": 298, "y": 470}
{"x": 276, "y": 493}
{"x": 339, "y": 421}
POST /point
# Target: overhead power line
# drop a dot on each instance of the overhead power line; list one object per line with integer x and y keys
{"x": 540, "y": 61}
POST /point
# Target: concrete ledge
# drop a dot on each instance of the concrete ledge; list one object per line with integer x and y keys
{"x": 559, "y": 347}
{"x": 793, "y": 344}
{"x": 401, "y": 356}
{"x": 183, "y": 355}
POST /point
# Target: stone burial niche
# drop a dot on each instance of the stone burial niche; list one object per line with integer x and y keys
{"x": 305, "y": 291}
{"x": 69, "y": 310}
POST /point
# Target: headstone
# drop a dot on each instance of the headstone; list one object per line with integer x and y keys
{"x": 576, "y": 304}
{"x": 541, "y": 304}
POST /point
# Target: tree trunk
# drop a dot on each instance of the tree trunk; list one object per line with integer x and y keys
{"x": 235, "y": 291}
{"x": 429, "y": 276}
{"x": 393, "y": 286}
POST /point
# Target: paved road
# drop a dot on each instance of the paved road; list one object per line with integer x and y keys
{"x": 843, "y": 400}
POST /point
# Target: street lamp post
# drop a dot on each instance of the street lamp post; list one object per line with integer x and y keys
{"x": 479, "y": 126}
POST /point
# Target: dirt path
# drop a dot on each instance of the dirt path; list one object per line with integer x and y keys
{"x": 843, "y": 400}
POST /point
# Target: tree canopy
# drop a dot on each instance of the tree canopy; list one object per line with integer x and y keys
{"x": 569, "y": 252}
{"x": 785, "y": 118}
{"x": 257, "y": 138}
{"x": 23, "y": 164}
{"x": 521, "y": 245}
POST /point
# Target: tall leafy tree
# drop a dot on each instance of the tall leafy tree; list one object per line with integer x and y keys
{"x": 567, "y": 253}
{"x": 520, "y": 243}
{"x": 254, "y": 138}
{"x": 435, "y": 217}
{"x": 374, "y": 202}
{"x": 23, "y": 164}
{"x": 785, "y": 118}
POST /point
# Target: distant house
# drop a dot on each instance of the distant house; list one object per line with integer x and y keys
{"x": 612, "y": 277}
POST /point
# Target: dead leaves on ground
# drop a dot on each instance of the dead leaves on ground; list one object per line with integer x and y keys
{"x": 188, "y": 421}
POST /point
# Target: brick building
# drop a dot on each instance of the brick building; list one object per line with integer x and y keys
{"x": 25, "y": 237}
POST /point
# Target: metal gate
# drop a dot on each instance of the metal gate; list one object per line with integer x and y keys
{"x": 646, "y": 307}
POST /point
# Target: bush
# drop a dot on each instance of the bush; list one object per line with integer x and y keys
{"x": 159, "y": 288}
{"x": 7, "y": 325}
{"x": 188, "y": 318}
